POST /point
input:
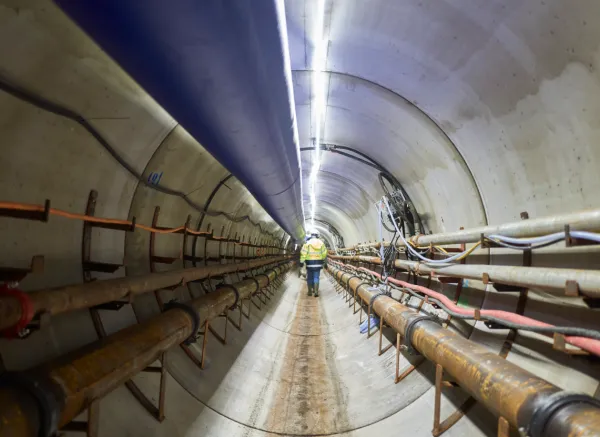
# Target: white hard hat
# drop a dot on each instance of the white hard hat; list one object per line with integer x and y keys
{"x": 314, "y": 232}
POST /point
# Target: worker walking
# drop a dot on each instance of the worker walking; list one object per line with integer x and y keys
{"x": 313, "y": 255}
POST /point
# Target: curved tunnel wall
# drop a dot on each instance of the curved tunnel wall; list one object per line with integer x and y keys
{"x": 498, "y": 88}
{"x": 238, "y": 104}
{"x": 485, "y": 137}
{"x": 63, "y": 162}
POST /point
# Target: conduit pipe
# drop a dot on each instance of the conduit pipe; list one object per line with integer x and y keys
{"x": 580, "y": 221}
{"x": 68, "y": 385}
{"x": 550, "y": 279}
{"x": 588, "y": 344}
{"x": 506, "y": 389}
{"x": 79, "y": 296}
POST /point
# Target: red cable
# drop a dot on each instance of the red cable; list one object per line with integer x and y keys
{"x": 27, "y": 312}
{"x": 589, "y": 344}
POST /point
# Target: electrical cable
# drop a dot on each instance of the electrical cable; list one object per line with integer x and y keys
{"x": 529, "y": 241}
{"x": 508, "y": 242}
{"x": 62, "y": 111}
{"x": 383, "y": 176}
{"x": 385, "y": 225}
{"x": 410, "y": 248}
{"x": 565, "y": 330}
{"x": 544, "y": 240}
{"x": 590, "y": 236}
{"x": 583, "y": 338}
{"x": 15, "y": 206}
{"x": 515, "y": 247}
{"x": 407, "y": 209}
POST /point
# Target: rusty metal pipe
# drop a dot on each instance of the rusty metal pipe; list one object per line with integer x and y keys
{"x": 79, "y": 296}
{"x": 550, "y": 279}
{"x": 503, "y": 387}
{"x": 76, "y": 380}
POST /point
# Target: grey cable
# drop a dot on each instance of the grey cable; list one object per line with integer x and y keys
{"x": 57, "y": 109}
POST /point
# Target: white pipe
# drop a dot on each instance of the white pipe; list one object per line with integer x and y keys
{"x": 551, "y": 279}
{"x": 528, "y": 277}
{"x": 577, "y": 221}
{"x": 580, "y": 221}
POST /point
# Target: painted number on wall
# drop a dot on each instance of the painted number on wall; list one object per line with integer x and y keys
{"x": 154, "y": 177}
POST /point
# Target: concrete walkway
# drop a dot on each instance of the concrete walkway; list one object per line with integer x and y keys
{"x": 301, "y": 367}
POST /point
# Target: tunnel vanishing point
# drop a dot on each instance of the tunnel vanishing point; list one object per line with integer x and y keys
{"x": 165, "y": 162}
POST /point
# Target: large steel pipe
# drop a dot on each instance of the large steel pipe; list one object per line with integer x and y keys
{"x": 68, "y": 385}
{"x": 503, "y": 387}
{"x": 78, "y": 296}
{"x": 580, "y": 221}
{"x": 551, "y": 279}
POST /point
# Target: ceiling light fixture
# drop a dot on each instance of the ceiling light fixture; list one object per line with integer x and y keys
{"x": 282, "y": 22}
{"x": 318, "y": 100}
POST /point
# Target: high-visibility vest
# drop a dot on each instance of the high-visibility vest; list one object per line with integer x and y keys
{"x": 313, "y": 250}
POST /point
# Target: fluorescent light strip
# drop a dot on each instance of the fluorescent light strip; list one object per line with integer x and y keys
{"x": 318, "y": 77}
{"x": 281, "y": 20}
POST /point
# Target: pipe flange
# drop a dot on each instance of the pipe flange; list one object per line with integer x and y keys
{"x": 408, "y": 332}
{"x": 47, "y": 399}
{"x": 235, "y": 290}
{"x": 553, "y": 404}
{"x": 173, "y": 304}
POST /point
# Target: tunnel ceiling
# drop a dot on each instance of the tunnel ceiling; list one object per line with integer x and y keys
{"x": 469, "y": 96}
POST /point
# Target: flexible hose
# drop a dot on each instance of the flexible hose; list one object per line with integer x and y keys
{"x": 15, "y": 206}
{"x": 583, "y": 338}
{"x": 586, "y": 235}
{"x": 528, "y": 247}
{"x": 547, "y": 239}
{"x": 410, "y": 248}
{"x": 533, "y": 240}
{"x": 508, "y": 242}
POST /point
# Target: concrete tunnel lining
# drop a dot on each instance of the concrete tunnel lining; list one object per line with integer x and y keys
{"x": 287, "y": 324}
{"x": 516, "y": 138}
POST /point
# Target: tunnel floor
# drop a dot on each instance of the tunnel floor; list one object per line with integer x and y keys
{"x": 300, "y": 367}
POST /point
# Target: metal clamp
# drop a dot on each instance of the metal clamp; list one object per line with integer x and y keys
{"x": 547, "y": 408}
{"x": 361, "y": 284}
{"x": 376, "y": 295}
{"x": 253, "y": 278}
{"x": 408, "y": 332}
{"x": 266, "y": 272}
{"x": 46, "y": 398}
{"x": 266, "y": 276}
{"x": 235, "y": 290}
{"x": 173, "y": 304}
